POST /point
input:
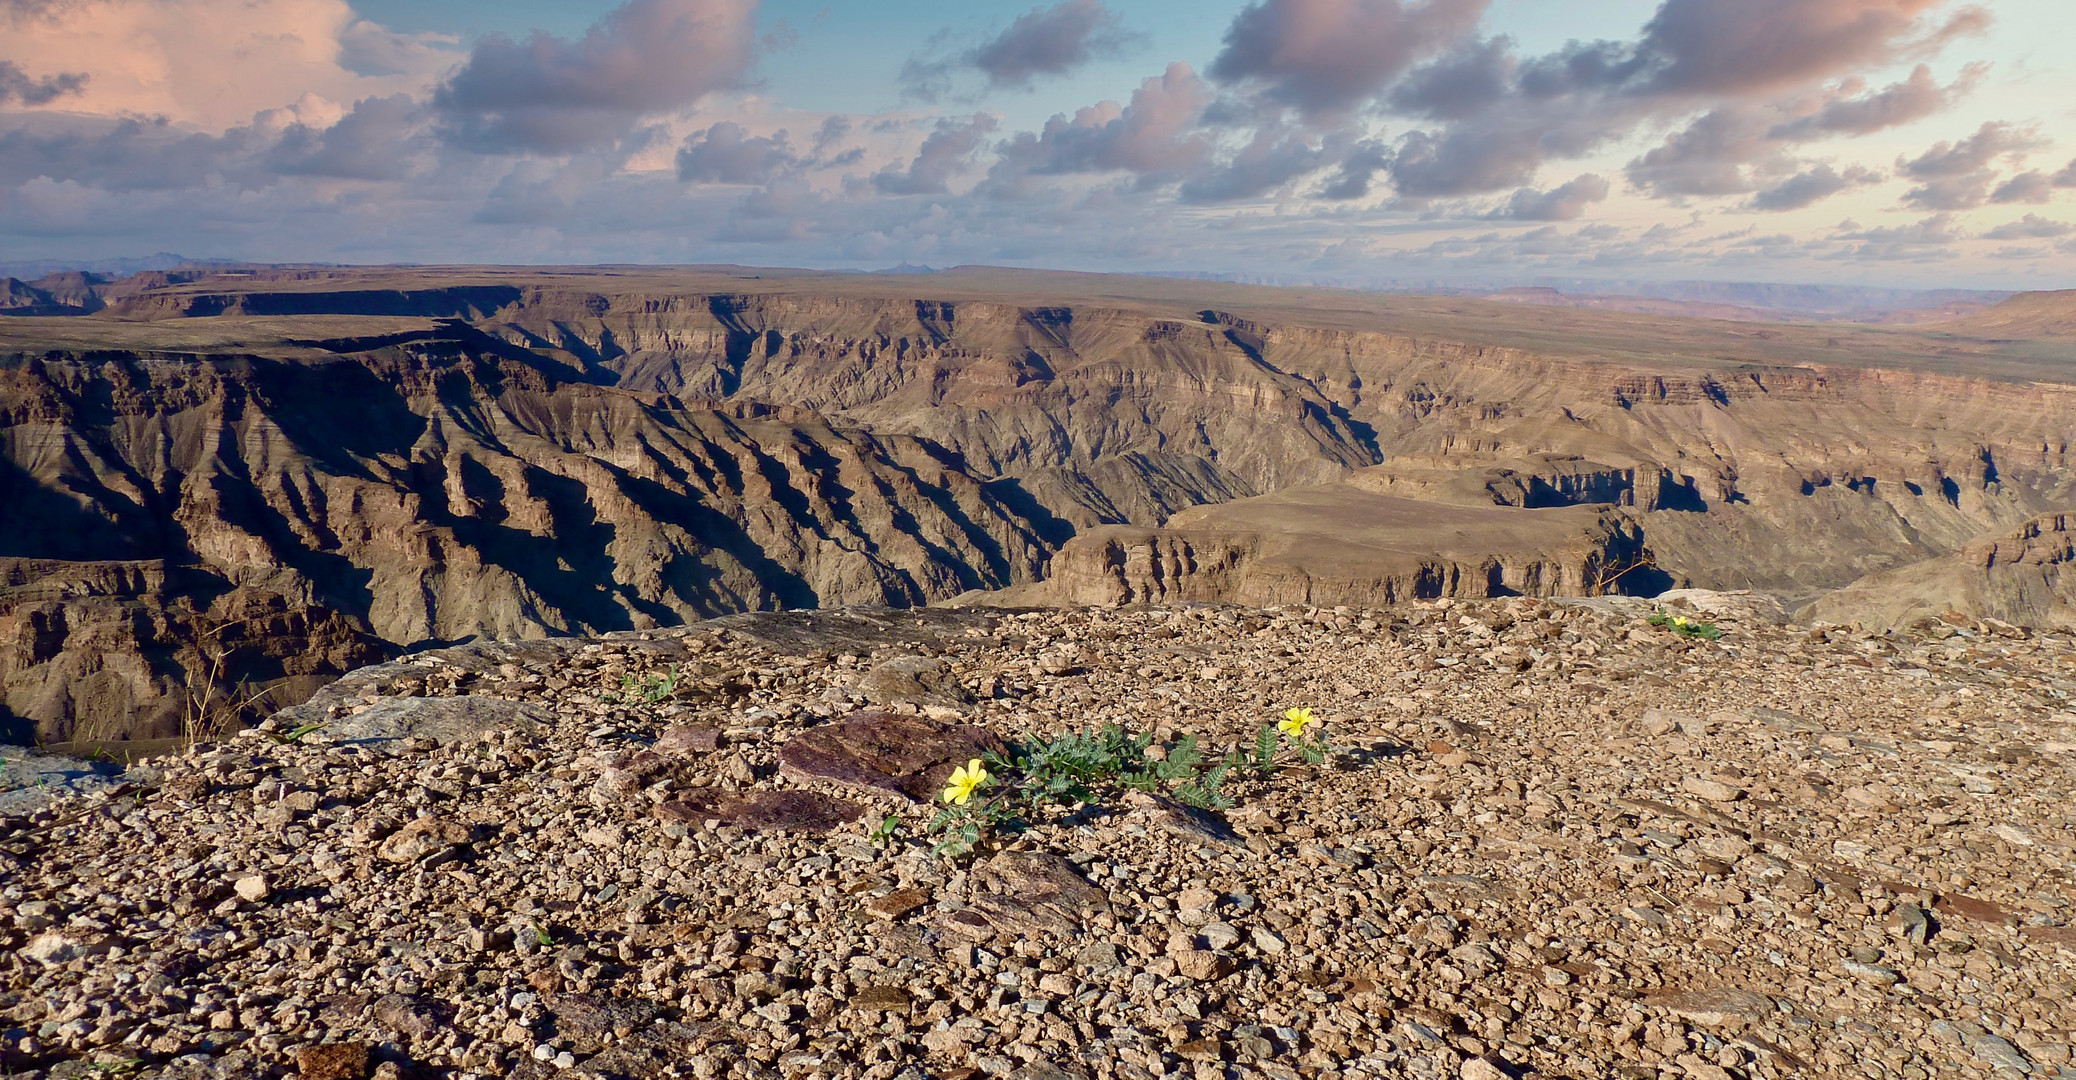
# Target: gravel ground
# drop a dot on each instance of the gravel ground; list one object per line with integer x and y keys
{"x": 1551, "y": 840}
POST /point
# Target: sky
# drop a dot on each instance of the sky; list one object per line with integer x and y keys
{"x": 1364, "y": 142}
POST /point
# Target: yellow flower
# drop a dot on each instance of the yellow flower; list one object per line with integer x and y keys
{"x": 964, "y": 780}
{"x": 1294, "y": 721}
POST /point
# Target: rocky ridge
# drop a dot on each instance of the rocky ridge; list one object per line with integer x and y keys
{"x": 1552, "y": 840}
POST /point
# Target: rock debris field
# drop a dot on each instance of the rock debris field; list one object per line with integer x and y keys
{"x": 1550, "y": 839}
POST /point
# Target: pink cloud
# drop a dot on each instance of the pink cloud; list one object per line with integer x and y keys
{"x": 209, "y": 63}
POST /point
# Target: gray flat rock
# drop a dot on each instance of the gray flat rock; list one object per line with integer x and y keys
{"x": 31, "y": 779}
{"x": 445, "y": 719}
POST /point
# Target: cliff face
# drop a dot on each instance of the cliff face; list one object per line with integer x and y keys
{"x": 426, "y": 456}
{"x": 434, "y": 492}
{"x": 95, "y": 651}
{"x": 1342, "y": 548}
{"x": 2025, "y": 575}
{"x": 1118, "y": 417}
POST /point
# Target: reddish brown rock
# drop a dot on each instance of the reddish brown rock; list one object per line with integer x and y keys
{"x": 421, "y": 838}
{"x": 895, "y": 904}
{"x": 910, "y": 755}
{"x": 333, "y": 1061}
{"x": 1969, "y": 907}
{"x": 688, "y": 740}
{"x": 1714, "y": 1006}
{"x": 759, "y": 811}
{"x": 1029, "y": 894}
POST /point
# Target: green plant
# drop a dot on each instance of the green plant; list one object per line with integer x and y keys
{"x": 1685, "y": 627}
{"x": 885, "y": 832}
{"x": 965, "y": 817}
{"x": 1265, "y": 746}
{"x": 996, "y": 792}
{"x": 299, "y": 733}
{"x": 1203, "y": 791}
{"x": 651, "y": 689}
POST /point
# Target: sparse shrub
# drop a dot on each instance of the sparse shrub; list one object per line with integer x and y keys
{"x": 1686, "y": 627}
{"x": 997, "y": 791}
{"x": 652, "y": 689}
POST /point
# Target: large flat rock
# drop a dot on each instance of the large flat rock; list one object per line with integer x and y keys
{"x": 909, "y": 755}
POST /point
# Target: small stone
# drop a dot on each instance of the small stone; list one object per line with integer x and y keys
{"x": 1872, "y": 973}
{"x": 1998, "y": 1054}
{"x": 333, "y": 1061}
{"x": 1712, "y": 790}
{"x": 881, "y": 999}
{"x": 53, "y": 949}
{"x": 1203, "y": 965}
{"x": 1714, "y": 1007}
{"x": 688, "y": 740}
{"x": 1268, "y": 941}
{"x": 895, "y": 904}
{"x": 1478, "y": 1068}
{"x": 253, "y": 888}
{"x": 421, "y": 839}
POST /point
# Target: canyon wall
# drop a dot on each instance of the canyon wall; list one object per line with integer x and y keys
{"x": 370, "y": 461}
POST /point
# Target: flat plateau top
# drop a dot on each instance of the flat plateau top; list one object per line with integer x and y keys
{"x": 2030, "y": 337}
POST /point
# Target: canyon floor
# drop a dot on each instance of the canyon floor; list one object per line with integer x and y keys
{"x": 1551, "y": 839}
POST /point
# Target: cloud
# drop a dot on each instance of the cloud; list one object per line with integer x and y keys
{"x": 211, "y": 64}
{"x": 949, "y": 150}
{"x": 551, "y": 95}
{"x": 1709, "y": 156}
{"x": 378, "y": 140}
{"x": 1267, "y": 163}
{"x": 1052, "y": 41}
{"x": 1990, "y": 141}
{"x": 1359, "y": 166}
{"x": 2030, "y": 227}
{"x": 1041, "y": 42}
{"x": 1755, "y": 46}
{"x": 1461, "y": 84}
{"x": 726, "y": 154}
{"x": 1958, "y": 175}
{"x": 1914, "y": 98}
{"x": 1743, "y": 80}
{"x": 17, "y": 86}
{"x": 1155, "y": 136}
{"x": 1937, "y": 229}
{"x": 1329, "y": 56}
{"x": 1811, "y": 186}
{"x": 2031, "y": 186}
{"x": 1567, "y": 202}
{"x": 2066, "y": 177}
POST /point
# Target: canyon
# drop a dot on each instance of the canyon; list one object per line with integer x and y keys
{"x": 221, "y": 487}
